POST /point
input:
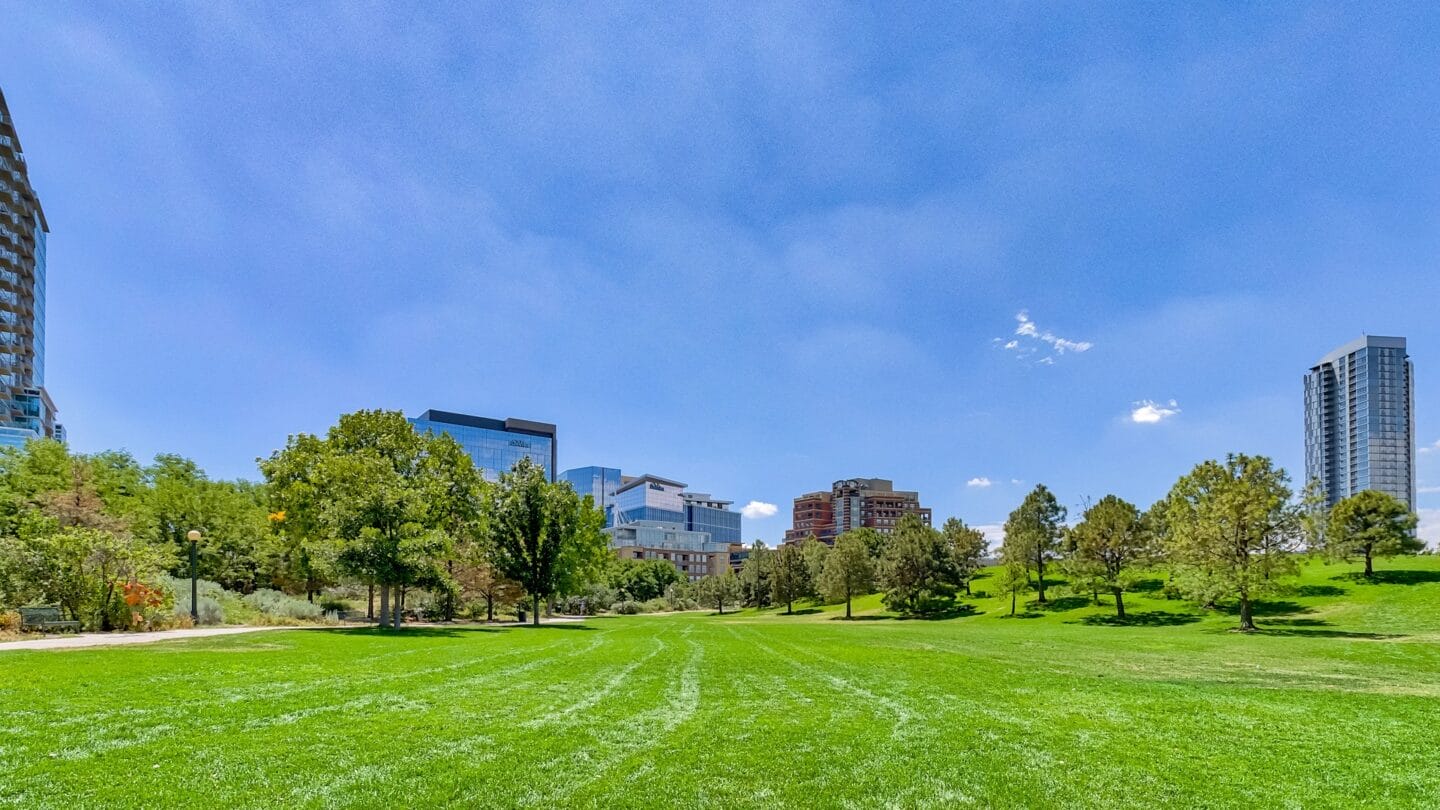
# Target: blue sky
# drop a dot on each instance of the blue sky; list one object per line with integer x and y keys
{"x": 754, "y": 248}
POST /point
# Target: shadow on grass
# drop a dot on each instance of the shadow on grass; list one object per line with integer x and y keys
{"x": 1391, "y": 577}
{"x": 1150, "y": 585}
{"x": 1059, "y": 605}
{"x": 1319, "y": 590}
{"x": 1029, "y": 614}
{"x": 869, "y": 618}
{"x": 423, "y": 632}
{"x": 1267, "y": 607}
{"x": 953, "y": 612}
{"x": 1316, "y": 631}
{"x": 803, "y": 612}
{"x": 1149, "y": 618}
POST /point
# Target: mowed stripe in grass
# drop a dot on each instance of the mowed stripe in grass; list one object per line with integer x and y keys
{"x": 750, "y": 710}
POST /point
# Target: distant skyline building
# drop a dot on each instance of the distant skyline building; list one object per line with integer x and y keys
{"x": 652, "y": 518}
{"x": 495, "y": 445}
{"x": 27, "y": 412}
{"x": 853, "y": 503}
{"x": 1359, "y": 420}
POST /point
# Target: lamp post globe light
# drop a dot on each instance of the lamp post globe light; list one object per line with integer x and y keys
{"x": 194, "y": 537}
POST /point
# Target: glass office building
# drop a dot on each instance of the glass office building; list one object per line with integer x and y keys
{"x": 599, "y": 483}
{"x": 26, "y": 411}
{"x": 1359, "y": 420}
{"x": 652, "y": 518}
{"x": 495, "y": 445}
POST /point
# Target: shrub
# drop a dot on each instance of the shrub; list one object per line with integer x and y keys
{"x": 627, "y": 608}
{"x": 10, "y": 621}
{"x": 655, "y": 605}
{"x": 331, "y": 604}
{"x": 281, "y": 606}
{"x": 210, "y": 609}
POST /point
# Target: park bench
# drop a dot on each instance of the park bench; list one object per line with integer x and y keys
{"x": 44, "y": 619}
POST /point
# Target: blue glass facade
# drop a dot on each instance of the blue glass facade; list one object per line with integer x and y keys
{"x": 599, "y": 483}
{"x": 1359, "y": 425}
{"x": 722, "y": 524}
{"x": 495, "y": 445}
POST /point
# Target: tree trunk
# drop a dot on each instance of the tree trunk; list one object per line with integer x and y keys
{"x": 847, "y": 605}
{"x": 370, "y": 603}
{"x": 1040, "y": 579}
{"x": 535, "y": 619}
{"x": 967, "y": 588}
{"x": 1247, "y": 620}
{"x": 1369, "y": 565}
{"x": 1119, "y": 603}
{"x": 310, "y": 595}
{"x": 789, "y": 608}
{"x": 384, "y": 604}
{"x": 1012, "y": 603}
{"x": 490, "y": 610}
{"x": 721, "y": 605}
{"x": 399, "y": 608}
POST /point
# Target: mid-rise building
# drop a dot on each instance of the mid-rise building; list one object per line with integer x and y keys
{"x": 850, "y": 504}
{"x": 1359, "y": 420}
{"x": 652, "y": 518}
{"x": 26, "y": 410}
{"x": 495, "y": 445}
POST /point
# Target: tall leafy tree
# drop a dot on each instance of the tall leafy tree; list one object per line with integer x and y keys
{"x": 815, "y": 553}
{"x": 719, "y": 590}
{"x": 755, "y": 575}
{"x": 1033, "y": 532}
{"x": 1371, "y": 524}
{"x": 1109, "y": 543}
{"x": 546, "y": 537}
{"x": 874, "y": 540}
{"x": 847, "y": 570}
{"x": 1232, "y": 530}
{"x": 918, "y": 571}
{"x": 370, "y": 485}
{"x": 967, "y": 548}
{"x": 790, "y": 577}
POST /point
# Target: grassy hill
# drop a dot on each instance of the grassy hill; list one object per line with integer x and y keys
{"x": 1334, "y": 704}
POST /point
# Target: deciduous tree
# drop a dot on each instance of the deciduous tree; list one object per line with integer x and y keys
{"x": 546, "y": 536}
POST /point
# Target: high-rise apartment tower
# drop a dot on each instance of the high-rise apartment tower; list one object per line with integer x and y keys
{"x": 1359, "y": 420}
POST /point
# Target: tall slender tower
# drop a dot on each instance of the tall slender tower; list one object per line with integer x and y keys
{"x": 1359, "y": 420}
{"x": 26, "y": 411}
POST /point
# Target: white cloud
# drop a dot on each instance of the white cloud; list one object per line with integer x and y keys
{"x": 759, "y": 510}
{"x": 1034, "y": 335}
{"x": 1149, "y": 412}
{"x": 1430, "y": 448}
{"x": 978, "y": 482}
{"x": 1428, "y": 490}
{"x": 1429, "y": 530}
{"x": 1016, "y": 481}
{"x": 995, "y": 533}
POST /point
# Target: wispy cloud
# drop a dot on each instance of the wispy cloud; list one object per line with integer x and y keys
{"x": 978, "y": 482}
{"x": 1429, "y": 530}
{"x": 758, "y": 510}
{"x": 1032, "y": 340}
{"x": 1427, "y": 490}
{"x": 1149, "y": 412}
{"x": 1431, "y": 448}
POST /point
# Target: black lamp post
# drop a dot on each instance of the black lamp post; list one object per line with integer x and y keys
{"x": 194, "y": 536}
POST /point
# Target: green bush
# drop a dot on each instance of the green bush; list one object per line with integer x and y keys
{"x": 211, "y": 611}
{"x": 628, "y": 608}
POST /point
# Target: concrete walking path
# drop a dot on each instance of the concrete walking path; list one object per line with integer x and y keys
{"x": 68, "y": 642}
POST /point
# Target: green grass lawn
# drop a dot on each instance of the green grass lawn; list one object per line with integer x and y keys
{"x": 1337, "y": 704}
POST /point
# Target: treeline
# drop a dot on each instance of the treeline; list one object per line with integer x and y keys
{"x": 1227, "y": 531}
